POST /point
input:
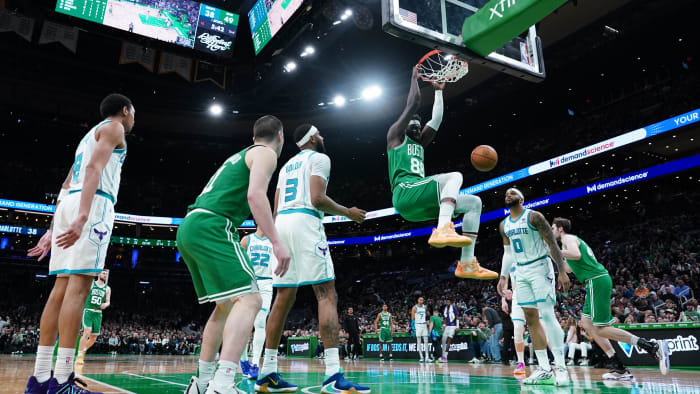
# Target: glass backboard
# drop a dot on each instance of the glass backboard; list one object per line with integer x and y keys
{"x": 438, "y": 24}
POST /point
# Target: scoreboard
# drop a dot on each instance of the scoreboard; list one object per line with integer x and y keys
{"x": 267, "y": 17}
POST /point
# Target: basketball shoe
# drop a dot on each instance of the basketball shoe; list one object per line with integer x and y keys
{"x": 193, "y": 387}
{"x": 472, "y": 270}
{"x": 273, "y": 383}
{"x": 213, "y": 388}
{"x": 253, "y": 372}
{"x": 338, "y": 384}
{"x": 447, "y": 236}
{"x": 540, "y": 376}
{"x": 245, "y": 368}
{"x": 520, "y": 369}
{"x": 69, "y": 387}
{"x": 562, "y": 377}
{"x": 34, "y": 387}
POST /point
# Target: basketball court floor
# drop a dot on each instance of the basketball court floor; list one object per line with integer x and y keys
{"x": 170, "y": 374}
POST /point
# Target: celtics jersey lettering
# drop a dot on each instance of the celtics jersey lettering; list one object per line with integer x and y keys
{"x": 528, "y": 245}
{"x": 406, "y": 163}
{"x": 96, "y": 297}
{"x": 385, "y": 320}
{"x": 420, "y": 314}
{"x": 110, "y": 175}
{"x": 261, "y": 256}
{"x": 587, "y": 266}
{"x": 226, "y": 193}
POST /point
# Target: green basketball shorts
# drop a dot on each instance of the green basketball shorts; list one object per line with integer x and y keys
{"x": 219, "y": 267}
{"x": 417, "y": 201}
{"x": 92, "y": 320}
{"x": 597, "y": 304}
{"x": 385, "y": 335}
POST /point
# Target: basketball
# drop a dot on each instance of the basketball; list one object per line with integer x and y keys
{"x": 484, "y": 158}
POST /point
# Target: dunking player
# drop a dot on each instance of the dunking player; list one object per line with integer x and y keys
{"x": 517, "y": 315}
{"x": 451, "y": 315}
{"x": 259, "y": 250}
{"x": 419, "y": 315}
{"x": 220, "y": 270}
{"x": 418, "y": 198}
{"x": 97, "y": 300}
{"x": 78, "y": 238}
{"x": 384, "y": 326}
{"x": 596, "y": 316}
{"x": 300, "y": 201}
{"x": 528, "y": 242}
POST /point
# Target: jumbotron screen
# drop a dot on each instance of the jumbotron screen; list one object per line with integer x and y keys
{"x": 183, "y": 22}
{"x": 267, "y": 17}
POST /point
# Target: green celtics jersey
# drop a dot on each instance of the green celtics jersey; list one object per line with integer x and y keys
{"x": 96, "y": 297}
{"x": 437, "y": 323}
{"x": 226, "y": 193}
{"x": 587, "y": 266}
{"x": 385, "y": 321}
{"x": 406, "y": 163}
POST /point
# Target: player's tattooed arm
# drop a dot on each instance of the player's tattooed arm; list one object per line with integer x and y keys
{"x": 545, "y": 230}
{"x": 397, "y": 131}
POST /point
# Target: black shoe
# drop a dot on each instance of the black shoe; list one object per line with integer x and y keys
{"x": 650, "y": 347}
{"x": 622, "y": 374}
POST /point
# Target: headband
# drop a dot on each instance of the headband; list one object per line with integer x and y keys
{"x": 518, "y": 192}
{"x": 414, "y": 122}
{"x": 312, "y": 131}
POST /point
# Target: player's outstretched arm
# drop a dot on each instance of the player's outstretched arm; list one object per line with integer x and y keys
{"x": 545, "y": 230}
{"x": 111, "y": 136}
{"x": 430, "y": 130}
{"x": 262, "y": 162}
{"x": 506, "y": 263}
{"x": 397, "y": 131}
{"x": 320, "y": 172}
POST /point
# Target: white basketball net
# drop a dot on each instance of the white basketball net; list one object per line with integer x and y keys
{"x": 440, "y": 67}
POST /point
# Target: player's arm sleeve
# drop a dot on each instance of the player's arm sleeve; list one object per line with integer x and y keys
{"x": 438, "y": 108}
{"x": 507, "y": 262}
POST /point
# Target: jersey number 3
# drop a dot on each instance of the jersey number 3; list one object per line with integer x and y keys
{"x": 290, "y": 192}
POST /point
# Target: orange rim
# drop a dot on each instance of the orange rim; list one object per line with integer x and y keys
{"x": 431, "y": 53}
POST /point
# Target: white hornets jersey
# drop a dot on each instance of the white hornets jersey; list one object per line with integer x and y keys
{"x": 528, "y": 245}
{"x": 261, "y": 256}
{"x": 111, "y": 174}
{"x": 420, "y": 314}
{"x": 294, "y": 182}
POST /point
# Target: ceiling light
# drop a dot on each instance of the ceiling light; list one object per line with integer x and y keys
{"x": 309, "y": 50}
{"x": 371, "y": 92}
{"x": 339, "y": 100}
{"x": 289, "y": 67}
{"x": 216, "y": 109}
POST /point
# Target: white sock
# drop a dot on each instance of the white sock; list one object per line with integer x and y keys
{"x": 244, "y": 355}
{"x": 521, "y": 357}
{"x": 332, "y": 362}
{"x": 205, "y": 372}
{"x": 445, "y": 354}
{"x": 425, "y": 347}
{"x": 258, "y": 344}
{"x": 269, "y": 362}
{"x": 468, "y": 251}
{"x": 226, "y": 374}
{"x": 446, "y": 211}
{"x": 420, "y": 352}
{"x": 555, "y": 335}
{"x": 42, "y": 365}
{"x": 610, "y": 353}
{"x": 64, "y": 364}
{"x": 634, "y": 340}
{"x": 543, "y": 360}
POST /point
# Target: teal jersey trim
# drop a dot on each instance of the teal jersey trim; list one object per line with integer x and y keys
{"x": 98, "y": 192}
{"x": 301, "y": 210}
{"x": 531, "y": 261}
{"x": 70, "y": 272}
{"x": 304, "y": 283}
{"x": 518, "y": 218}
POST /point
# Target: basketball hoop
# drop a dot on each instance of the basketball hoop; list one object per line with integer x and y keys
{"x": 437, "y": 66}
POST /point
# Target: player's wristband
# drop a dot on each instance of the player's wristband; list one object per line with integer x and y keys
{"x": 61, "y": 195}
